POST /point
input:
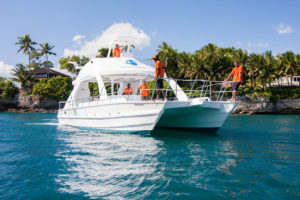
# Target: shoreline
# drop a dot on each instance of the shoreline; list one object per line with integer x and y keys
{"x": 247, "y": 106}
{"x": 24, "y": 110}
{"x": 29, "y": 110}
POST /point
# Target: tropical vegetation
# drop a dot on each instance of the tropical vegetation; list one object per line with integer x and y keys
{"x": 215, "y": 63}
{"x": 22, "y": 76}
{"x": 23, "y": 73}
{"x": 53, "y": 88}
{"x": 67, "y": 63}
{"x": 7, "y": 88}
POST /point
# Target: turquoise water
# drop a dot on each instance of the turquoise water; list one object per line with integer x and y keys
{"x": 251, "y": 157}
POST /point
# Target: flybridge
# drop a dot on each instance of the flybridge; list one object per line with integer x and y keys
{"x": 126, "y": 43}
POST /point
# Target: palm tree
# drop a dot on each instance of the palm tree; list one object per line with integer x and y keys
{"x": 168, "y": 57}
{"x": 22, "y": 76}
{"x": 184, "y": 64}
{"x": 211, "y": 57}
{"x": 26, "y": 45}
{"x": 269, "y": 67}
{"x": 253, "y": 68}
{"x": 65, "y": 63}
{"x": 45, "y": 50}
{"x": 241, "y": 56}
{"x": 278, "y": 70}
{"x": 297, "y": 58}
{"x": 289, "y": 64}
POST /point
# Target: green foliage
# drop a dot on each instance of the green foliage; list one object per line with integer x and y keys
{"x": 103, "y": 53}
{"x": 23, "y": 76}
{"x": 54, "y": 88}
{"x": 7, "y": 88}
{"x": 46, "y": 49}
{"x": 64, "y": 63}
{"x": 27, "y": 46}
{"x": 214, "y": 63}
{"x": 94, "y": 91}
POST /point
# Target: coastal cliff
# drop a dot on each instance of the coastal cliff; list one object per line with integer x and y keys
{"x": 28, "y": 103}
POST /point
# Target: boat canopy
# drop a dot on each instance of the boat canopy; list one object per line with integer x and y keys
{"x": 115, "y": 68}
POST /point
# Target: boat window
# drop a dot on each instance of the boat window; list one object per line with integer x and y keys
{"x": 108, "y": 88}
{"x": 116, "y": 88}
{"x": 296, "y": 79}
{"x": 94, "y": 91}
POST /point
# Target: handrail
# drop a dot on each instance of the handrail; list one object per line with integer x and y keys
{"x": 203, "y": 88}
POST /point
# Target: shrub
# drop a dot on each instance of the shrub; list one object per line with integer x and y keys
{"x": 7, "y": 88}
{"x": 54, "y": 88}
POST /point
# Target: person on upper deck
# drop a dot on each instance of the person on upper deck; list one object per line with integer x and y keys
{"x": 117, "y": 51}
{"x": 159, "y": 76}
{"x": 143, "y": 89}
{"x": 128, "y": 90}
{"x": 237, "y": 74}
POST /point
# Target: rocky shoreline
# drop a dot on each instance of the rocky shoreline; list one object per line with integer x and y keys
{"x": 247, "y": 106}
{"x": 30, "y": 110}
{"x": 28, "y": 104}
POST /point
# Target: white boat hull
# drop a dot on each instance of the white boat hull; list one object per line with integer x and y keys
{"x": 145, "y": 116}
{"x": 133, "y": 116}
{"x": 207, "y": 116}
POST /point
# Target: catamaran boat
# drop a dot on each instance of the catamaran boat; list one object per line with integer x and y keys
{"x": 199, "y": 107}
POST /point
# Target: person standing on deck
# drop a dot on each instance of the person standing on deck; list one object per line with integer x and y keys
{"x": 128, "y": 90}
{"x": 237, "y": 74}
{"x": 144, "y": 91}
{"x": 117, "y": 52}
{"x": 159, "y": 76}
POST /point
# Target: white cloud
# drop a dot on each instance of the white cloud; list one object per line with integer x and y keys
{"x": 283, "y": 29}
{"x": 239, "y": 43}
{"x": 5, "y": 70}
{"x": 90, "y": 48}
{"x": 257, "y": 45}
{"x": 78, "y": 38}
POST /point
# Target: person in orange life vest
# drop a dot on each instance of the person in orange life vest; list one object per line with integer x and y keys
{"x": 159, "y": 76}
{"x": 128, "y": 90}
{"x": 117, "y": 52}
{"x": 237, "y": 74}
{"x": 143, "y": 89}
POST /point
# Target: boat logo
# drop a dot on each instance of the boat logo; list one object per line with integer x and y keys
{"x": 131, "y": 62}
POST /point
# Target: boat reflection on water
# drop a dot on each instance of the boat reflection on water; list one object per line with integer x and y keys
{"x": 106, "y": 165}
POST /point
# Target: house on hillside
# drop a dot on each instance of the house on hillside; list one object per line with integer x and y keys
{"x": 287, "y": 81}
{"x": 44, "y": 72}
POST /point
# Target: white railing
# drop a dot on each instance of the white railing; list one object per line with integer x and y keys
{"x": 215, "y": 90}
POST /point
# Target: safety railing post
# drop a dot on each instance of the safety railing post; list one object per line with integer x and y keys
{"x": 210, "y": 90}
{"x": 192, "y": 88}
{"x": 176, "y": 89}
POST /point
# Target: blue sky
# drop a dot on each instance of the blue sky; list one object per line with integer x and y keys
{"x": 256, "y": 25}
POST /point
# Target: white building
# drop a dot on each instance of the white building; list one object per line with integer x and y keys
{"x": 287, "y": 81}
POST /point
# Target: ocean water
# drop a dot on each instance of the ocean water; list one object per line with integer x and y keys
{"x": 251, "y": 157}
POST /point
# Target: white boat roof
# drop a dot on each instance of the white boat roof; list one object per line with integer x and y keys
{"x": 115, "y": 68}
{"x": 124, "y": 41}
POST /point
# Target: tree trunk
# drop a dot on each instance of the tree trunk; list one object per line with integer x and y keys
{"x": 29, "y": 60}
{"x": 47, "y": 66}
